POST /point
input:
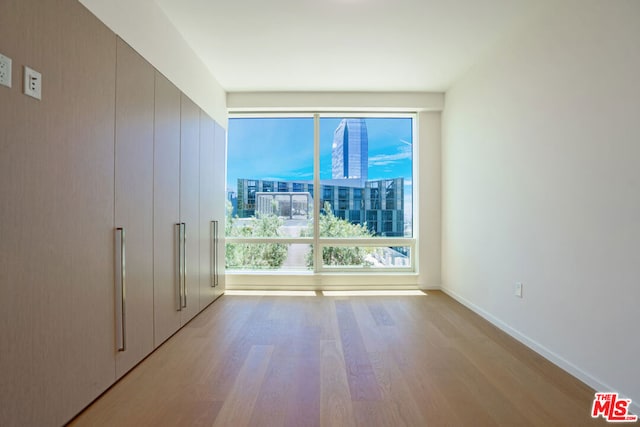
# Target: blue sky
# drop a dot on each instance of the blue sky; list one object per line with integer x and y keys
{"x": 282, "y": 148}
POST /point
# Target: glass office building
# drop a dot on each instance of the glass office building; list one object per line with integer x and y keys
{"x": 350, "y": 150}
{"x": 379, "y": 203}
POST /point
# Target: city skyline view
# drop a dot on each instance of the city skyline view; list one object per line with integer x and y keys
{"x": 281, "y": 149}
{"x": 363, "y": 166}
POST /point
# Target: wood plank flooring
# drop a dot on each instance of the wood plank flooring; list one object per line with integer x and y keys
{"x": 342, "y": 361}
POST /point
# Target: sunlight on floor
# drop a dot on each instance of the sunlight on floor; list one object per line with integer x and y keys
{"x": 272, "y": 293}
{"x": 353, "y": 293}
{"x": 373, "y": 293}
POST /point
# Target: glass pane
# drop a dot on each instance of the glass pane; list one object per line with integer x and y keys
{"x": 269, "y": 256}
{"x": 366, "y": 177}
{"x": 367, "y": 257}
{"x": 269, "y": 177}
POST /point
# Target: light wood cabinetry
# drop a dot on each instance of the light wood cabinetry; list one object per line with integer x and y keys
{"x": 74, "y": 167}
{"x": 190, "y": 203}
{"x": 207, "y": 212}
{"x": 56, "y": 214}
{"x": 212, "y": 209}
{"x": 219, "y": 198}
{"x": 176, "y": 209}
{"x": 134, "y": 199}
{"x": 166, "y": 210}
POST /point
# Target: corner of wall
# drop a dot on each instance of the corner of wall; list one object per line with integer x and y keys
{"x": 428, "y": 176}
{"x": 145, "y": 27}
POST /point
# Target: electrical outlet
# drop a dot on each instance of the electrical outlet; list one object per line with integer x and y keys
{"x": 5, "y": 71}
{"x": 32, "y": 83}
{"x": 518, "y": 290}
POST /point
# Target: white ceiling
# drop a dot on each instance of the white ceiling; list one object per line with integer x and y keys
{"x": 343, "y": 45}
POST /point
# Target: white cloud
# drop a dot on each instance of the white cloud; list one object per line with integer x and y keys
{"x": 301, "y": 174}
{"x": 388, "y": 159}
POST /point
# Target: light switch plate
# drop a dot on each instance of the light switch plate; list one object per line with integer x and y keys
{"x": 518, "y": 290}
{"x": 5, "y": 71}
{"x": 32, "y": 83}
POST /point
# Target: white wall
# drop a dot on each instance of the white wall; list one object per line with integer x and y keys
{"x": 335, "y": 101}
{"x": 429, "y": 200}
{"x": 541, "y": 184}
{"x": 144, "y": 26}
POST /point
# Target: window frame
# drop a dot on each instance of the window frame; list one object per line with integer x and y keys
{"x": 317, "y": 242}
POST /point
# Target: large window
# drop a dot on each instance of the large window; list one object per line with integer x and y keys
{"x": 320, "y": 193}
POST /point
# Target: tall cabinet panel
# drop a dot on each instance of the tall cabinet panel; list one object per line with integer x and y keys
{"x": 168, "y": 229}
{"x": 219, "y": 206}
{"x": 134, "y": 200}
{"x": 207, "y": 211}
{"x": 56, "y": 214}
{"x": 212, "y": 209}
{"x": 24, "y": 226}
{"x": 190, "y": 204}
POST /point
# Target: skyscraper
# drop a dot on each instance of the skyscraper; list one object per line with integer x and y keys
{"x": 350, "y": 150}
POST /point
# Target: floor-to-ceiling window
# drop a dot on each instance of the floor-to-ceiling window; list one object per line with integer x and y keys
{"x": 321, "y": 193}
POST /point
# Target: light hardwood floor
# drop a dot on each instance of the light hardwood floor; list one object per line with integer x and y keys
{"x": 342, "y": 361}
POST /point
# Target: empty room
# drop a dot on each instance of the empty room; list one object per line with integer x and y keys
{"x": 323, "y": 213}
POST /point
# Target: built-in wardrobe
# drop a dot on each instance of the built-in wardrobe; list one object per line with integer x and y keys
{"x": 111, "y": 204}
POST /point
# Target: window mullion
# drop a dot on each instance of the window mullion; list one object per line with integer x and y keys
{"x": 317, "y": 253}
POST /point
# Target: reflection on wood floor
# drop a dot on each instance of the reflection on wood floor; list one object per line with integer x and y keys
{"x": 342, "y": 361}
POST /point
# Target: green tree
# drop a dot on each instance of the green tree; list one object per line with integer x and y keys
{"x": 332, "y": 226}
{"x": 254, "y": 255}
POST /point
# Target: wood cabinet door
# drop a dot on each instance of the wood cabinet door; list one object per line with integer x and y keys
{"x": 219, "y": 201}
{"x": 134, "y": 199}
{"x": 207, "y": 210}
{"x": 212, "y": 209}
{"x": 190, "y": 203}
{"x": 56, "y": 214}
{"x": 207, "y": 130}
{"x": 166, "y": 210}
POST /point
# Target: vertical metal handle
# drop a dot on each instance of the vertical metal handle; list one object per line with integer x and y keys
{"x": 178, "y": 279}
{"x": 217, "y": 246}
{"x": 214, "y": 253}
{"x": 183, "y": 302}
{"x": 121, "y": 313}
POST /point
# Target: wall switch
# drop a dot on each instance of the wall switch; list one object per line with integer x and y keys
{"x": 5, "y": 71}
{"x": 518, "y": 290}
{"x": 32, "y": 83}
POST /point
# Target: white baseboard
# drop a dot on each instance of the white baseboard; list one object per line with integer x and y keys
{"x": 557, "y": 360}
